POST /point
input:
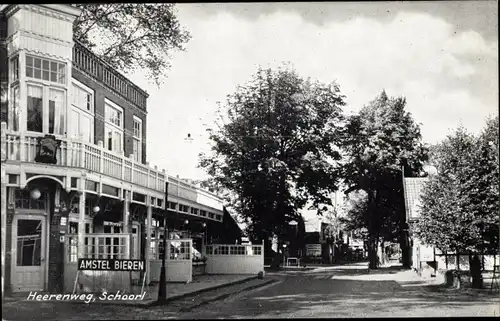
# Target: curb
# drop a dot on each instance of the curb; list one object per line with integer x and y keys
{"x": 151, "y": 302}
{"x": 224, "y": 296}
{"x": 181, "y": 296}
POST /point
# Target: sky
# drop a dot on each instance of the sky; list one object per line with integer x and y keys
{"x": 442, "y": 56}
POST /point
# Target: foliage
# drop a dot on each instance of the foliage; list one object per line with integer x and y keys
{"x": 131, "y": 36}
{"x": 460, "y": 205}
{"x": 273, "y": 147}
{"x": 378, "y": 142}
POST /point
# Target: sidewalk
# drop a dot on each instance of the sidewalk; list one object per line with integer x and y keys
{"x": 175, "y": 291}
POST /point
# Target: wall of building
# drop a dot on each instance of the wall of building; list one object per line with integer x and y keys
{"x": 100, "y": 94}
{"x": 4, "y": 67}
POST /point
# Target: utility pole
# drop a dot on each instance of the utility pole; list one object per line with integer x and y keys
{"x": 162, "y": 290}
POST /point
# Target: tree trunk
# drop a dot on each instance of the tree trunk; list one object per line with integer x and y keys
{"x": 372, "y": 238}
{"x": 372, "y": 252}
{"x": 475, "y": 270}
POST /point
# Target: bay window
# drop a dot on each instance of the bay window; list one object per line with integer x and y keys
{"x": 137, "y": 142}
{"x": 11, "y": 114}
{"x": 35, "y": 109}
{"x": 56, "y": 111}
{"x": 45, "y": 69}
{"x": 13, "y": 117}
{"x": 113, "y": 127}
{"x": 45, "y": 96}
{"x": 45, "y": 109}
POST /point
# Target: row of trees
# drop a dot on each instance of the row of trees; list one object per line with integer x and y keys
{"x": 459, "y": 208}
{"x": 284, "y": 142}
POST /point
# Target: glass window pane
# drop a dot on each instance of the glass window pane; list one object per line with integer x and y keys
{"x": 53, "y": 76}
{"x": 56, "y": 108}
{"x": 38, "y": 63}
{"x": 46, "y": 65}
{"x": 45, "y": 75}
{"x": 15, "y": 109}
{"x": 29, "y": 71}
{"x": 61, "y": 78}
{"x": 53, "y": 66}
{"x": 29, "y": 238}
{"x": 35, "y": 109}
{"x": 29, "y": 61}
{"x": 52, "y": 111}
{"x": 37, "y": 74}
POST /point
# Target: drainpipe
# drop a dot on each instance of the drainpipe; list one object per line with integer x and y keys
{"x": 3, "y": 205}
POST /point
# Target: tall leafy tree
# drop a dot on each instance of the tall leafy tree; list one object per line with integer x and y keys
{"x": 378, "y": 142}
{"x": 483, "y": 187}
{"x": 131, "y": 36}
{"x": 274, "y": 147}
{"x": 460, "y": 205}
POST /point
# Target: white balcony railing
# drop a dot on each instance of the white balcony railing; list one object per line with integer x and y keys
{"x": 76, "y": 153}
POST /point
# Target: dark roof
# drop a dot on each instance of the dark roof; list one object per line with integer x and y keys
{"x": 413, "y": 188}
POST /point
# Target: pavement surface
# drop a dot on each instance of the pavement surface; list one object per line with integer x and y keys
{"x": 338, "y": 291}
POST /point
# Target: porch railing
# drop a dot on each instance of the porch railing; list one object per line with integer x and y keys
{"x": 76, "y": 153}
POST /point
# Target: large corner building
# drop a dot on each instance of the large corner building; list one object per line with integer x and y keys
{"x": 75, "y": 176}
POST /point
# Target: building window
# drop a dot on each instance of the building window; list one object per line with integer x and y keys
{"x": 194, "y": 211}
{"x": 137, "y": 139}
{"x": 13, "y": 118}
{"x": 35, "y": 109}
{"x": 81, "y": 123}
{"x": 23, "y": 200}
{"x": 218, "y": 217}
{"x": 44, "y": 69}
{"x": 203, "y": 213}
{"x": 56, "y": 111}
{"x": 114, "y": 128}
{"x": 211, "y": 215}
{"x": 82, "y": 98}
{"x": 14, "y": 64}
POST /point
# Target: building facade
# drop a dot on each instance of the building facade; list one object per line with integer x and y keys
{"x": 75, "y": 176}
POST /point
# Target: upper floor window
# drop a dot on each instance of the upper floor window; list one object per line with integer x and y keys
{"x": 81, "y": 119}
{"x": 45, "y": 69}
{"x": 14, "y": 65}
{"x": 137, "y": 143}
{"x": 82, "y": 98}
{"x": 114, "y": 115}
{"x": 45, "y": 110}
{"x": 113, "y": 127}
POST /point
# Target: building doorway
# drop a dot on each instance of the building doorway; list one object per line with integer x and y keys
{"x": 28, "y": 252}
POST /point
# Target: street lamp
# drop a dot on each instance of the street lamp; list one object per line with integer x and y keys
{"x": 162, "y": 289}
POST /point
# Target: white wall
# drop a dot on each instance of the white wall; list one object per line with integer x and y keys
{"x": 177, "y": 271}
{"x": 246, "y": 263}
{"x": 234, "y": 264}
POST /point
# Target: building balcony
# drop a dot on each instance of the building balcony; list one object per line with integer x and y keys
{"x": 184, "y": 198}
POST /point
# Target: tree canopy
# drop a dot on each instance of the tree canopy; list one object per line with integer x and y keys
{"x": 275, "y": 147}
{"x": 131, "y": 36}
{"x": 459, "y": 208}
{"x": 378, "y": 142}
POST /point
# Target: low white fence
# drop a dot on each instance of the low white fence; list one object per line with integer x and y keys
{"x": 179, "y": 263}
{"x": 234, "y": 259}
{"x": 424, "y": 255}
{"x": 97, "y": 246}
